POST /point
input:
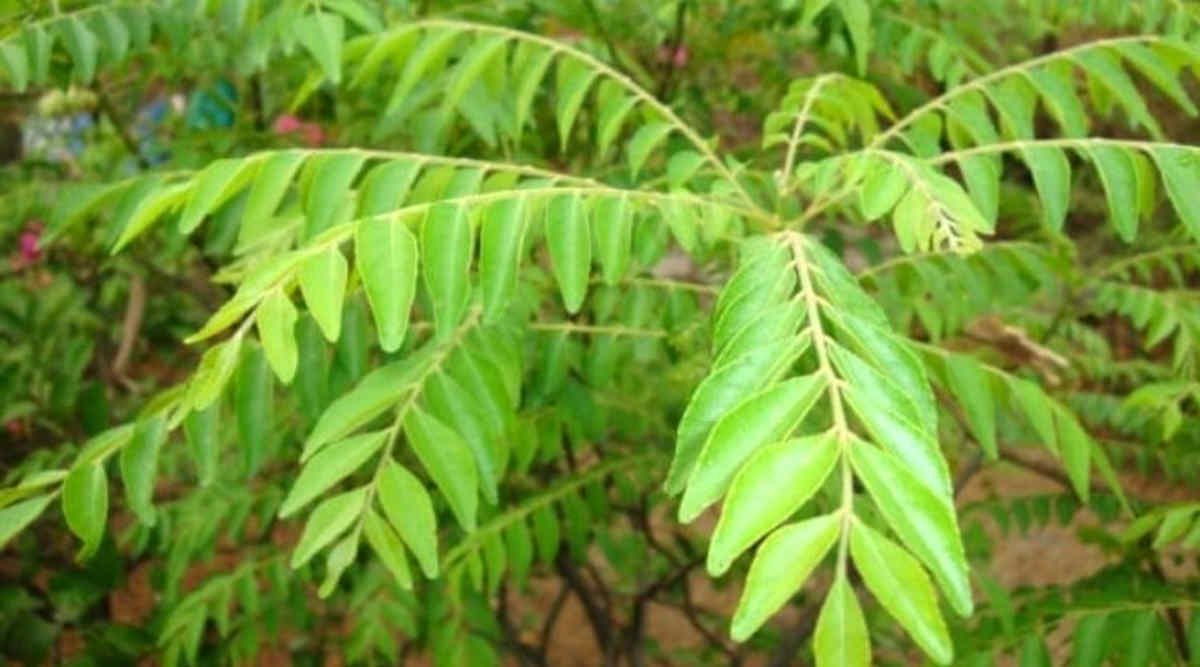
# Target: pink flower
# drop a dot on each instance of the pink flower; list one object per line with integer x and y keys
{"x": 286, "y": 124}
{"x": 28, "y": 250}
{"x": 682, "y": 55}
{"x": 312, "y": 134}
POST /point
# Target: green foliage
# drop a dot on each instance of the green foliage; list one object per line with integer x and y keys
{"x": 549, "y": 310}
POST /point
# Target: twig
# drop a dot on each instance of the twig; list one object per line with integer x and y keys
{"x": 600, "y": 623}
{"x": 135, "y": 309}
{"x": 1173, "y": 618}
{"x": 602, "y": 30}
{"x": 664, "y": 86}
{"x": 556, "y": 608}
{"x": 974, "y": 465}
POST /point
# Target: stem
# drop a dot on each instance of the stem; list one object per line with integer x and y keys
{"x": 669, "y": 68}
{"x": 981, "y": 82}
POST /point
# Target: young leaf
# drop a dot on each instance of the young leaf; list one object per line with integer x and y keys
{"x": 330, "y": 519}
{"x": 448, "y": 460}
{"x": 276, "y": 322}
{"x": 340, "y": 557}
{"x": 202, "y": 429}
{"x": 410, "y": 510}
{"x": 902, "y": 587}
{"x": 447, "y": 246}
{"x": 643, "y": 142}
{"x": 85, "y": 505}
{"x": 569, "y": 239}
{"x": 386, "y": 258}
{"x": 330, "y": 466}
{"x": 795, "y": 468}
{"x": 780, "y": 568}
{"x": 762, "y": 419}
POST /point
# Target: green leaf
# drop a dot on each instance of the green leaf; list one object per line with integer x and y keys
{"x": 925, "y": 522}
{"x": 328, "y": 189}
{"x": 139, "y": 464}
{"x": 321, "y": 34}
{"x": 340, "y": 557}
{"x": 1106, "y": 68}
{"x": 82, "y": 45}
{"x": 643, "y": 142}
{"x": 546, "y": 533}
{"x": 1036, "y": 406}
{"x": 1180, "y": 168}
{"x": 719, "y": 393}
{"x": 214, "y": 185}
{"x": 613, "y": 111}
{"x": 471, "y": 65}
{"x": 1142, "y": 642}
{"x": 1034, "y": 652}
{"x": 270, "y": 185}
{"x": 213, "y": 373}
{"x": 783, "y": 563}
{"x": 1056, "y": 85}
{"x": 323, "y": 284}
{"x": 613, "y": 230}
{"x": 15, "y": 65}
{"x": 387, "y": 545}
{"x": 534, "y": 59}
{"x": 574, "y": 78}
{"x": 330, "y": 466}
{"x": 448, "y": 460}
{"x": 386, "y": 258}
{"x": 764, "y": 418}
{"x": 882, "y": 188}
{"x": 330, "y": 519}
{"x": 971, "y": 386}
{"x": 1119, "y": 177}
{"x": 429, "y": 54}
{"x": 569, "y": 239}
{"x": 381, "y": 389}
{"x": 386, "y": 186}
{"x": 1076, "y": 447}
{"x": 857, "y": 15}
{"x": 794, "y": 468}
{"x": 201, "y": 428}
{"x": 410, "y": 510}
{"x": 447, "y": 245}
{"x": 253, "y": 400}
{"x": 85, "y": 505}
{"x": 519, "y": 544}
{"x": 1090, "y": 644}
{"x": 902, "y": 587}
{"x": 134, "y": 217}
{"x": 1052, "y": 175}
{"x": 841, "y": 638}
{"x": 15, "y": 517}
{"x": 276, "y": 322}
{"x": 501, "y": 242}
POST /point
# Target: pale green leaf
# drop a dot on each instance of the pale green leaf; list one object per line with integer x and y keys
{"x": 321, "y": 34}
{"x": 795, "y": 469}
{"x": 783, "y": 563}
{"x": 214, "y": 185}
{"x": 330, "y": 466}
{"x": 841, "y": 638}
{"x": 762, "y": 419}
{"x": 409, "y": 508}
{"x": 447, "y": 246}
{"x": 323, "y": 284}
{"x": 902, "y": 587}
{"x": 568, "y": 237}
{"x": 501, "y": 243}
{"x": 15, "y": 517}
{"x": 388, "y": 547}
{"x": 85, "y": 505}
{"x": 330, "y": 519}
{"x": 139, "y": 465}
{"x": 449, "y": 462}
{"x": 276, "y": 321}
{"x": 643, "y": 142}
